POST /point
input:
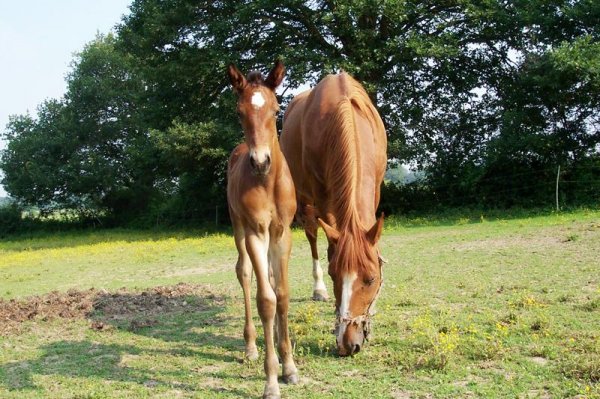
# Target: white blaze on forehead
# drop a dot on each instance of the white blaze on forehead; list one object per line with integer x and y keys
{"x": 344, "y": 310}
{"x": 257, "y": 99}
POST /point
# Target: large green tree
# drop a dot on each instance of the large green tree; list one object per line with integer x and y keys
{"x": 474, "y": 93}
{"x": 89, "y": 151}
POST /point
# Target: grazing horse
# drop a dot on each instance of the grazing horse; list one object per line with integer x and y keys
{"x": 335, "y": 144}
{"x": 262, "y": 203}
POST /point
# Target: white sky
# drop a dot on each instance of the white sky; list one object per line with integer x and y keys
{"x": 38, "y": 39}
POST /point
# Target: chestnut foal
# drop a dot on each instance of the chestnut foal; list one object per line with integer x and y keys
{"x": 262, "y": 204}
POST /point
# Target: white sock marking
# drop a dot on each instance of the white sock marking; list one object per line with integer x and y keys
{"x": 319, "y": 284}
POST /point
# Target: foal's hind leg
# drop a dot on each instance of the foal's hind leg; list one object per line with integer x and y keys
{"x": 311, "y": 226}
{"x": 243, "y": 269}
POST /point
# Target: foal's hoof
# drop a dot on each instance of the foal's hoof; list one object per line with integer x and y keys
{"x": 272, "y": 393}
{"x": 291, "y": 379}
{"x": 320, "y": 296}
{"x": 251, "y": 355}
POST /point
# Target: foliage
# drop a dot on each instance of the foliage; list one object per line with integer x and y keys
{"x": 10, "y": 219}
{"x": 84, "y": 152}
{"x": 484, "y": 99}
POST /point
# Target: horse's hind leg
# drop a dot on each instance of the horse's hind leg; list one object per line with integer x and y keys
{"x": 280, "y": 252}
{"x": 311, "y": 226}
{"x": 243, "y": 269}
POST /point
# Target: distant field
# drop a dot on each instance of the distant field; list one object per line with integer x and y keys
{"x": 472, "y": 307}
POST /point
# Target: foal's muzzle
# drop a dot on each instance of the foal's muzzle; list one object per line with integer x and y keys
{"x": 260, "y": 167}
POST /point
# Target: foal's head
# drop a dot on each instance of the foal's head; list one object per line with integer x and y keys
{"x": 355, "y": 268}
{"x": 257, "y": 108}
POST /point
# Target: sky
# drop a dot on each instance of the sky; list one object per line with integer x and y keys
{"x": 38, "y": 40}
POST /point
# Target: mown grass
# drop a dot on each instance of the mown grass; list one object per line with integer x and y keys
{"x": 474, "y": 305}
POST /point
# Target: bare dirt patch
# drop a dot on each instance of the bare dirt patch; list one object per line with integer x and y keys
{"x": 139, "y": 309}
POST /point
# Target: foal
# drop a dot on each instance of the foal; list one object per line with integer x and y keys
{"x": 262, "y": 204}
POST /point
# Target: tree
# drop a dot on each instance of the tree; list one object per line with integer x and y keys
{"x": 88, "y": 151}
{"x": 473, "y": 93}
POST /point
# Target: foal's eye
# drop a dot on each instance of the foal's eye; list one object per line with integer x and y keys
{"x": 370, "y": 281}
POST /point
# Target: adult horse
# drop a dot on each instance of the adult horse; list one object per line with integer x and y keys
{"x": 335, "y": 144}
{"x": 262, "y": 203}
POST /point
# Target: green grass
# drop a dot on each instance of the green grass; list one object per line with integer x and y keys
{"x": 473, "y": 306}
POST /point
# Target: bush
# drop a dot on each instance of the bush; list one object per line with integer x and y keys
{"x": 10, "y": 219}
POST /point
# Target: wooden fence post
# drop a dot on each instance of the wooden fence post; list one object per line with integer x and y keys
{"x": 557, "y": 178}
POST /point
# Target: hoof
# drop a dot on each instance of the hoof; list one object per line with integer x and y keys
{"x": 320, "y": 296}
{"x": 291, "y": 379}
{"x": 251, "y": 355}
{"x": 272, "y": 393}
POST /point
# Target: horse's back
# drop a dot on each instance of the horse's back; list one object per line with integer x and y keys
{"x": 305, "y": 135}
{"x": 291, "y": 140}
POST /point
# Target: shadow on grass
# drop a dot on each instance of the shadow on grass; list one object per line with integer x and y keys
{"x": 192, "y": 320}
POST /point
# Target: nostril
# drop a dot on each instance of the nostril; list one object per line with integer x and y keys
{"x": 252, "y": 162}
{"x": 356, "y": 348}
{"x": 268, "y": 159}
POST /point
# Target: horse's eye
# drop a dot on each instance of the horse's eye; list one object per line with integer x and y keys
{"x": 370, "y": 281}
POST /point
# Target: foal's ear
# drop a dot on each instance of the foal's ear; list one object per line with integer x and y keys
{"x": 275, "y": 76}
{"x": 332, "y": 234}
{"x": 374, "y": 234}
{"x": 237, "y": 79}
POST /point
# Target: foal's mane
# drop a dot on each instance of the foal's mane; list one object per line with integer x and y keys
{"x": 342, "y": 171}
{"x": 255, "y": 78}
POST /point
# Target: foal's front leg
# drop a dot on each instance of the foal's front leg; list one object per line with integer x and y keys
{"x": 280, "y": 254}
{"x": 243, "y": 269}
{"x": 266, "y": 301}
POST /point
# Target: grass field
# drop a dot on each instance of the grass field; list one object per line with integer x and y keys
{"x": 471, "y": 307}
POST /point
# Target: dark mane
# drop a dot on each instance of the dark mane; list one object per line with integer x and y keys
{"x": 255, "y": 78}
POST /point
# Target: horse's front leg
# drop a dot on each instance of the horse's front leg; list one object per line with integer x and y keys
{"x": 309, "y": 221}
{"x": 257, "y": 246}
{"x": 280, "y": 254}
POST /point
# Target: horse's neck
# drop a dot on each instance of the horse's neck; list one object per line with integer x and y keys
{"x": 353, "y": 197}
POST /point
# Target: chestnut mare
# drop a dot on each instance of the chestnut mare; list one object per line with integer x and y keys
{"x": 335, "y": 144}
{"x": 262, "y": 203}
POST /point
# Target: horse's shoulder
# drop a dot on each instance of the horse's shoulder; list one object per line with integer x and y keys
{"x": 239, "y": 151}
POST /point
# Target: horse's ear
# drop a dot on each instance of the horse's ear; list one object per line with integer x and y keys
{"x": 276, "y": 75}
{"x": 374, "y": 234}
{"x": 237, "y": 79}
{"x": 332, "y": 234}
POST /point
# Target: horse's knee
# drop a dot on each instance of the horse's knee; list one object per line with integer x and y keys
{"x": 266, "y": 302}
{"x": 283, "y": 299}
{"x": 242, "y": 271}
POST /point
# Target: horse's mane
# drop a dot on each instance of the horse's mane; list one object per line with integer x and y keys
{"x": 343, "y": 169}
{"x": 340, "y": 138}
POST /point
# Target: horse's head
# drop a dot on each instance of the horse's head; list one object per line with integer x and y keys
{"x": 355, "y": 268}
{"x": 257, "y": 108}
